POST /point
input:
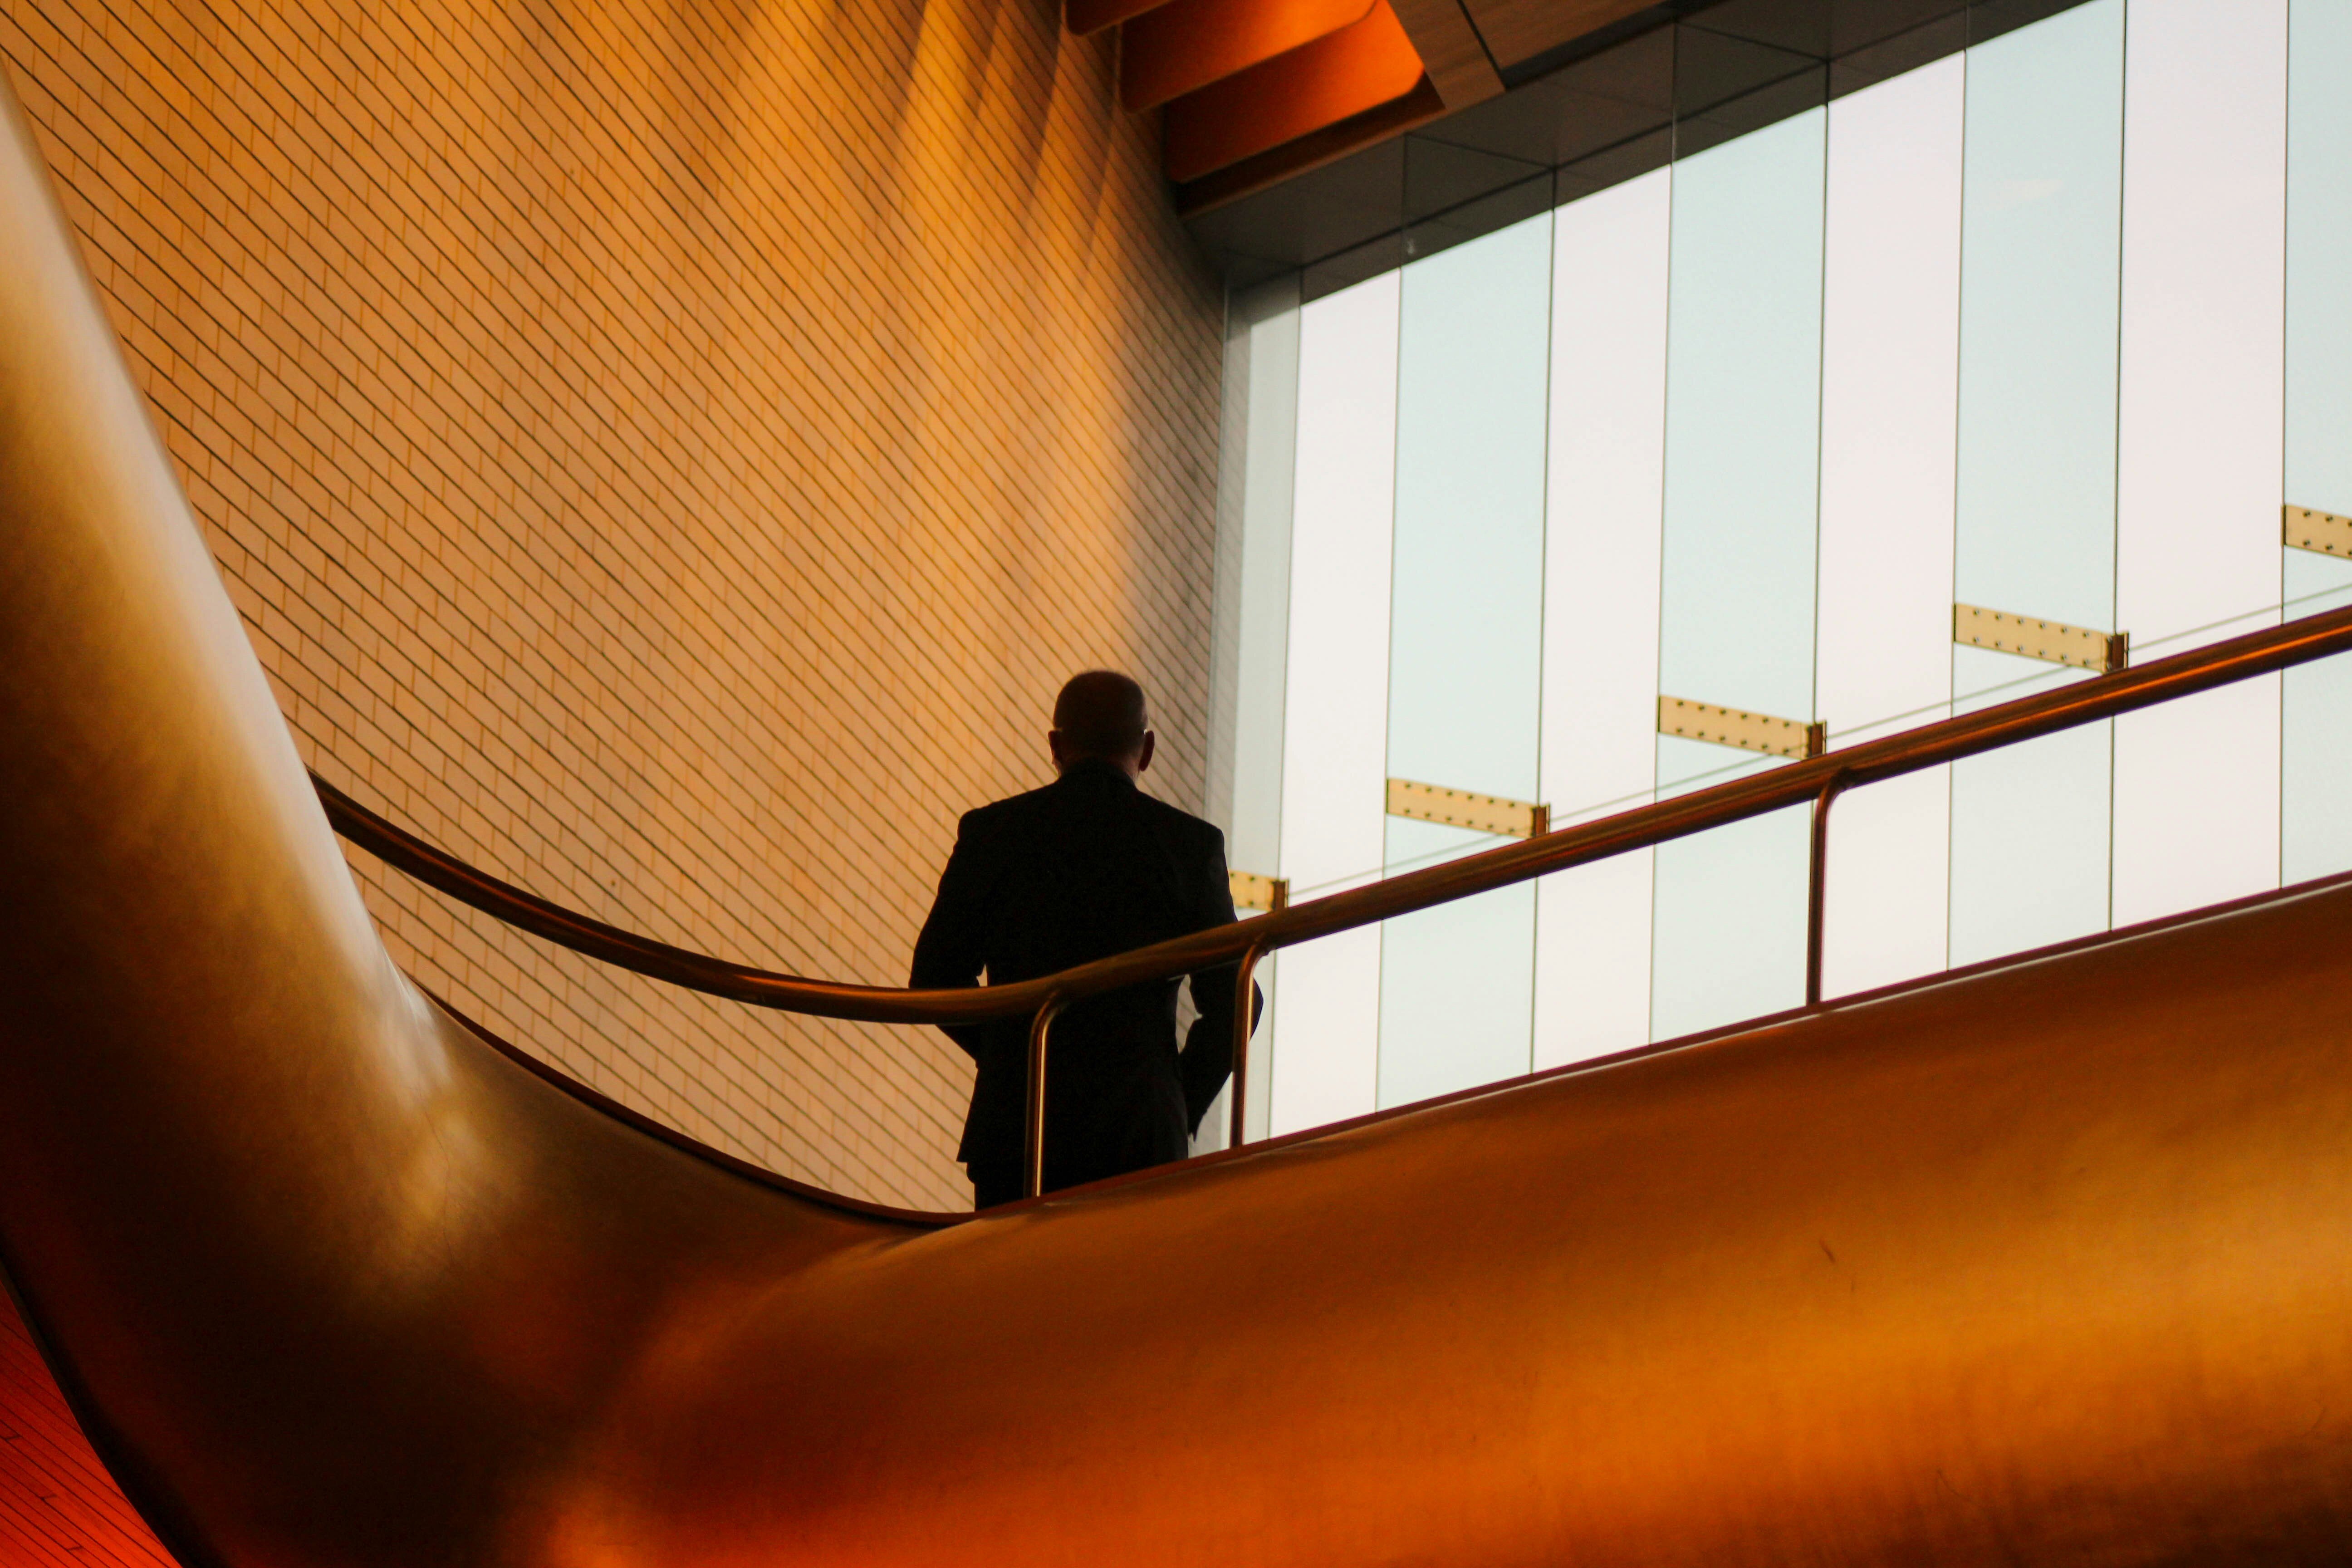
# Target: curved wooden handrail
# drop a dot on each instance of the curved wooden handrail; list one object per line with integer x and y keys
{"x": 1929, "y": 746}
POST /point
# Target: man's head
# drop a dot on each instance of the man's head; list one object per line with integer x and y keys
{"x": 1100, "y": 717}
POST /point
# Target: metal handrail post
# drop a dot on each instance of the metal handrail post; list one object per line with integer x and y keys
{"x": 1033, "y": 1150}
{"x": 1244, "y": 1025}
{"x": 1817, "y": 886}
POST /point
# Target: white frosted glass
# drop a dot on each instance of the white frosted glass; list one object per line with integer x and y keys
{"x": 2040, "y": 254}
{"x": 1886, "y": 911}
{"x": 2034, "y": 532}
{"x": 2315, "y": 832}
{"x": 1603, "y": 509}
{"x": 1890, "y": 389}
{"x": 2202, "y": 423}
{"x": 2203, "y": 366}
{"x": 1455, "y": 994}
{"x": 1738, "y": 945}
{"x": 1326, "y": 1058}
{"x": 1743, "y": 406}
{"x": 1253, "y": 836}
{"x": 1737, "y": 591}
{"x": 1326, "y": 1037}
{"x": 2029, "y": 828}
{"x": 1465, "y": 655}
{"x": 1256, "y": 484}
{"x": 1466, "y": 636}
{"x": 2315, "y": 751}
{"x": 2196, "y": 801}
{"x": 1592, "y": 975}
{"x": 2319, "y": 257}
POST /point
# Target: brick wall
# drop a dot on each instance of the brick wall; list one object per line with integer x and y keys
{"x": 668, "y": 454}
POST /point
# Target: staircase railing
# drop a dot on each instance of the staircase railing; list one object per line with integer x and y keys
{"x": 1818, "y": 781}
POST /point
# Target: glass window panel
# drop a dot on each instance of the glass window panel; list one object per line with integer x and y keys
{"x": 1885, "y": 915}
{"x": 1335, "y": 714}
{"x": 1466, "y": 642}
{"x": 2196, "y": 801}
{"x": 2200, "y": 419}
{"x": 2315, "y": 754}
{"x": 1262, "y": 381}
{"x": 1603, "y": 509}
{"x": 2042, "y": 231}
{"x": 1456, "y": 981}
{"x": 1730, "y": 933}
{"x": 1743, "y": 405}
{"x": 1890, "y": 379}
{"x": 2028, "y": 824}
{"x": 1252, "y": 613}
{"x": 2040, "y": 257}
{"x": 2316, "y": 758}
{"x": 2201, "y": 428}
{"x": 2319, "y": 261}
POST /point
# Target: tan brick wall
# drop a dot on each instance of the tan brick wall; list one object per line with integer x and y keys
{"x": 668, "y": 455}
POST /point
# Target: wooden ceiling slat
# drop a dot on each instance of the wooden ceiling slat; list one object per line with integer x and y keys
{"x": 1291, "y": 95}
{"x": 1184, "y": 46}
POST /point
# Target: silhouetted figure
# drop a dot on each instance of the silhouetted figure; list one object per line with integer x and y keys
{"x": 1087, "y": 866}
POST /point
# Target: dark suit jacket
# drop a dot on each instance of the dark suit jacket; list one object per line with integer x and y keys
{"x": 1087, "y": 866}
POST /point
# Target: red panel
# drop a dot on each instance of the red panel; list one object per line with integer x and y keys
{"x": 1184, "y": 46}
{"x": 58, "y": 1507}
{"x": 1290, "y": 96}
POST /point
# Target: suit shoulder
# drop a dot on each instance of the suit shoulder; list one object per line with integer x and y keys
{"x": 997, "y": 816}
{"x": 1194, "y": 833}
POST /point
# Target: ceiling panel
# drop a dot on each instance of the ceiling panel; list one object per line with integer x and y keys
{"x": 1518, "y": 30}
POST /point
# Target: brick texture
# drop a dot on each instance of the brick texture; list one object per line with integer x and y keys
{"x": 59, "y": 1508}
{"x": 668, "y": 454}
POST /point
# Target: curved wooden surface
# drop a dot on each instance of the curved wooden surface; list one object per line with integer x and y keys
{"x": 2045, "y": 1263}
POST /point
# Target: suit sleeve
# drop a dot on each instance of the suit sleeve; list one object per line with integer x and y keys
{"x": 1208, "y": 1056}
{"x": 953, "y": 947}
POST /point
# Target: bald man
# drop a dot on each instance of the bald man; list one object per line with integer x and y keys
{"x": 1087, "y": 866}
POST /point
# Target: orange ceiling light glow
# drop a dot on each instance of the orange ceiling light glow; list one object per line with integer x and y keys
{"x": 1186, "y": 44}
{"x": 1295, "y": 94}
{"x": 1239, "y": 79}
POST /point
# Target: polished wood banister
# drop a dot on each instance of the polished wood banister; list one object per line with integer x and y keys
{"x": 2024, "y": 719}
{"x": 1816, "y": 781}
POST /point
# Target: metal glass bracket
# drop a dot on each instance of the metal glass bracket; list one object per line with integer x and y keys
{"x": 2052, "y": 642}
{"x": 1461, "y": 808}
{"x": 2307, "y": 528}
{"x": 1737, "y": 727}
{"x": 1252, "y": 892}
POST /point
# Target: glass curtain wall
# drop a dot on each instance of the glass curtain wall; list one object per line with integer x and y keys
{"x": 1465, "y": 647}
{"x": 1325, "y": 1036}
{"x": 2041, "y": 227}
{"x": 1604, "y": 510}
{"x": 2315, "y": 751}
{"x": 2045, "y": 333}
{"x": 1890, "y": 394}
{"x": 2199, "y": 432}
{"x": 1736, "y": 600}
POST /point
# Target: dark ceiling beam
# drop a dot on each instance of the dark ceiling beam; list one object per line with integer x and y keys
{"x": 1451, "y": 50}
{"x": 1084, "y": 16}
{"x": 1517, "y": 31}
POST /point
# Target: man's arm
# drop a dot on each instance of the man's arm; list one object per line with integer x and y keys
{"x": 952, "y": 949}
{"x": 1208, "y": 1057}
